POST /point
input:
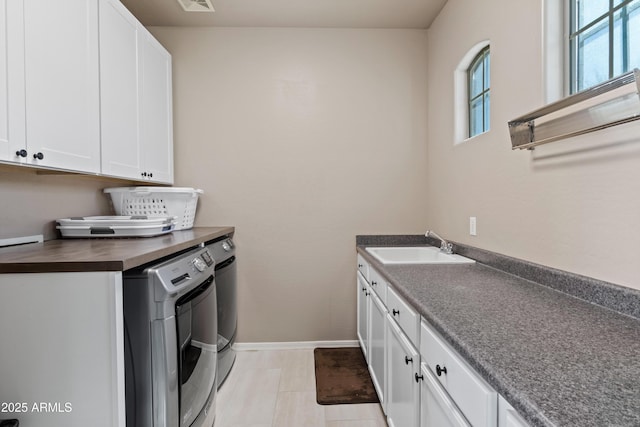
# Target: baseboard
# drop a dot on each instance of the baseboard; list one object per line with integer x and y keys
{"x": 292, "y": 345}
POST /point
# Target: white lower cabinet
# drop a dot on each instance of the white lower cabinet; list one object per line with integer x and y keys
{"x": 433, "y": 387}
{"x": 436, "y": 407}
{"x": 507, "y": 416}
{"x": 62, "y": 344}
{"x": 364, "y": 291}
{"x": 377, "y": 346}
{"x": 403, "y": 389}
{"x": 476, "y": 399}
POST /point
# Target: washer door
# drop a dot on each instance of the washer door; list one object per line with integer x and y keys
{"x": 197, "y": 329}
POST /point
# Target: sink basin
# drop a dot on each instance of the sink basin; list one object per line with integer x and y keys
{"x": 416, "y": 255}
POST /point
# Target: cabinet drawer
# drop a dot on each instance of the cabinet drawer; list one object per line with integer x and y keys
{"x": 475, "y": 398}
{"x": 378, "y": 285}
{"x": 404, "y": 314}
{"x": 436, "y": 407}
{"x": 363, "y": 267}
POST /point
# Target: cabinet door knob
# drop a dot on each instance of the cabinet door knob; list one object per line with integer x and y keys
{"x": 408, "y": 359}
{"x": 419, "y": 377}
{"x": 394, "y": 311}
{"x": 38, "y": 156}
{"x": 373, "y": 283}
{"x": 150, "y": 175}
{"x": 21, "y": 153}
{"x": 359, "y": 265}
{"x": 143, "y": 174}
{"x": 440, "y": 370}
{"x": 364, "y": 289}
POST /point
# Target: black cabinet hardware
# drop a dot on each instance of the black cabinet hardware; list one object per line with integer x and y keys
{"x": 38, "y": 156}
{"x": 440, "y": 370}
{"x": 21, "y": 153}
{"x": 394, "y": 311}
{"x": 419, "y": 377}
{"x": 408, "y": 359}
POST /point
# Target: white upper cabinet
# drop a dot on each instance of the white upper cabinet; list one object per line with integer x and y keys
{"x": 119, "y": 91}
{"x": 62, "y": 84}
{"x": 136, "y": 111}
{"x": 157, "y": 111}
{"x": 84, "y": 87}
{"x": 12, "y": 122}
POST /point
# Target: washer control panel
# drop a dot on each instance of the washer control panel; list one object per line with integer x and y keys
{"x": 227, "y": 245}
{"x": 199, "y": 264}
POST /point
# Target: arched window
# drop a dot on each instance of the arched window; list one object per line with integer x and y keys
{"x": 471, "y": 83}
{"x": 478, "y": 92}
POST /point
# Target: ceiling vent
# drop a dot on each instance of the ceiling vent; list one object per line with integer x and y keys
{"x": 196, "y": 5}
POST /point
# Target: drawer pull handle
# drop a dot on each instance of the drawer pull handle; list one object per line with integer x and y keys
{"x": 408, "y": 359}
{"x": 440, "y": 370}
{"x": 419, "y": 377}
{"x": 394, "y": 311}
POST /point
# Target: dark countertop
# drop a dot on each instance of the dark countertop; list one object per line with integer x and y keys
{"x": 106, "y": 254}
{"x": 558, "y": 360}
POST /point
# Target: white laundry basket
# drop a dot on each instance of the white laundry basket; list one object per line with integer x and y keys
{"x": 180, "y": 202}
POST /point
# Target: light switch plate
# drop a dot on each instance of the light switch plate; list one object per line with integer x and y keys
{"x": 472, "y": 226}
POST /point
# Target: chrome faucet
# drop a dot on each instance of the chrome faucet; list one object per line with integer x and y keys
{"x": 445, "y": 246}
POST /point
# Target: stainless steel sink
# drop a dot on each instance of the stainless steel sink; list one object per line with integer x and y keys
{"x": 416, "y": 255}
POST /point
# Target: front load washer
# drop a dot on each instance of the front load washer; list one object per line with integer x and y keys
{"x": 170, "y": 316}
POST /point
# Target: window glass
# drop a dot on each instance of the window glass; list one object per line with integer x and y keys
{"x": 487, "y": 110}
{"x": 592, "y": 58}
{"x": 477, "y": 79}
{"x": 487, "y": 71}
{"x": 477, "y": 121}
{"x": 589, "y": 10}
{"x": 478, "y": 93}
{"x": 604, "y": 40}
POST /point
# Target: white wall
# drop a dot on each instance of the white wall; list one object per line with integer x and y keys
{"x": 578, "y": 211}
{"x": 301, "y": 138}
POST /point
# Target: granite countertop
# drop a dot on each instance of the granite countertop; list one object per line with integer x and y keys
{"x": 105, "y": 254}
{"x": 557, "y": 359}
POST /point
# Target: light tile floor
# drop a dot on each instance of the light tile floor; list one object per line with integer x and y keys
{"x": 276, "y": 388}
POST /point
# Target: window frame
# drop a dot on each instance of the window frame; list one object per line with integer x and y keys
{"x": 482, "y": 59}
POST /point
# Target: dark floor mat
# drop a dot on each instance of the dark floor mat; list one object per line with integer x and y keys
{"x": 342, "y": 377}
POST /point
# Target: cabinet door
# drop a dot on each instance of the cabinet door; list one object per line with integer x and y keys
{"x": 403, "y": 391}
{"x": 436, "y": 407}
{"x": 507, "y": 416}
{"x": 156, "y": 109}
{"x": 119, "y": 91}
{"x": 12, "y": 125}
{"x": 363, "y": 267}
{"x": 61, "y": 84}
{"x": 363, "y": 315}
{"x": 476, "y": 399}
{"x": 377, "y": 346}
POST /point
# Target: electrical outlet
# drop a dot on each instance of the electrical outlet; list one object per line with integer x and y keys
{"x": 472, "y": 226}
